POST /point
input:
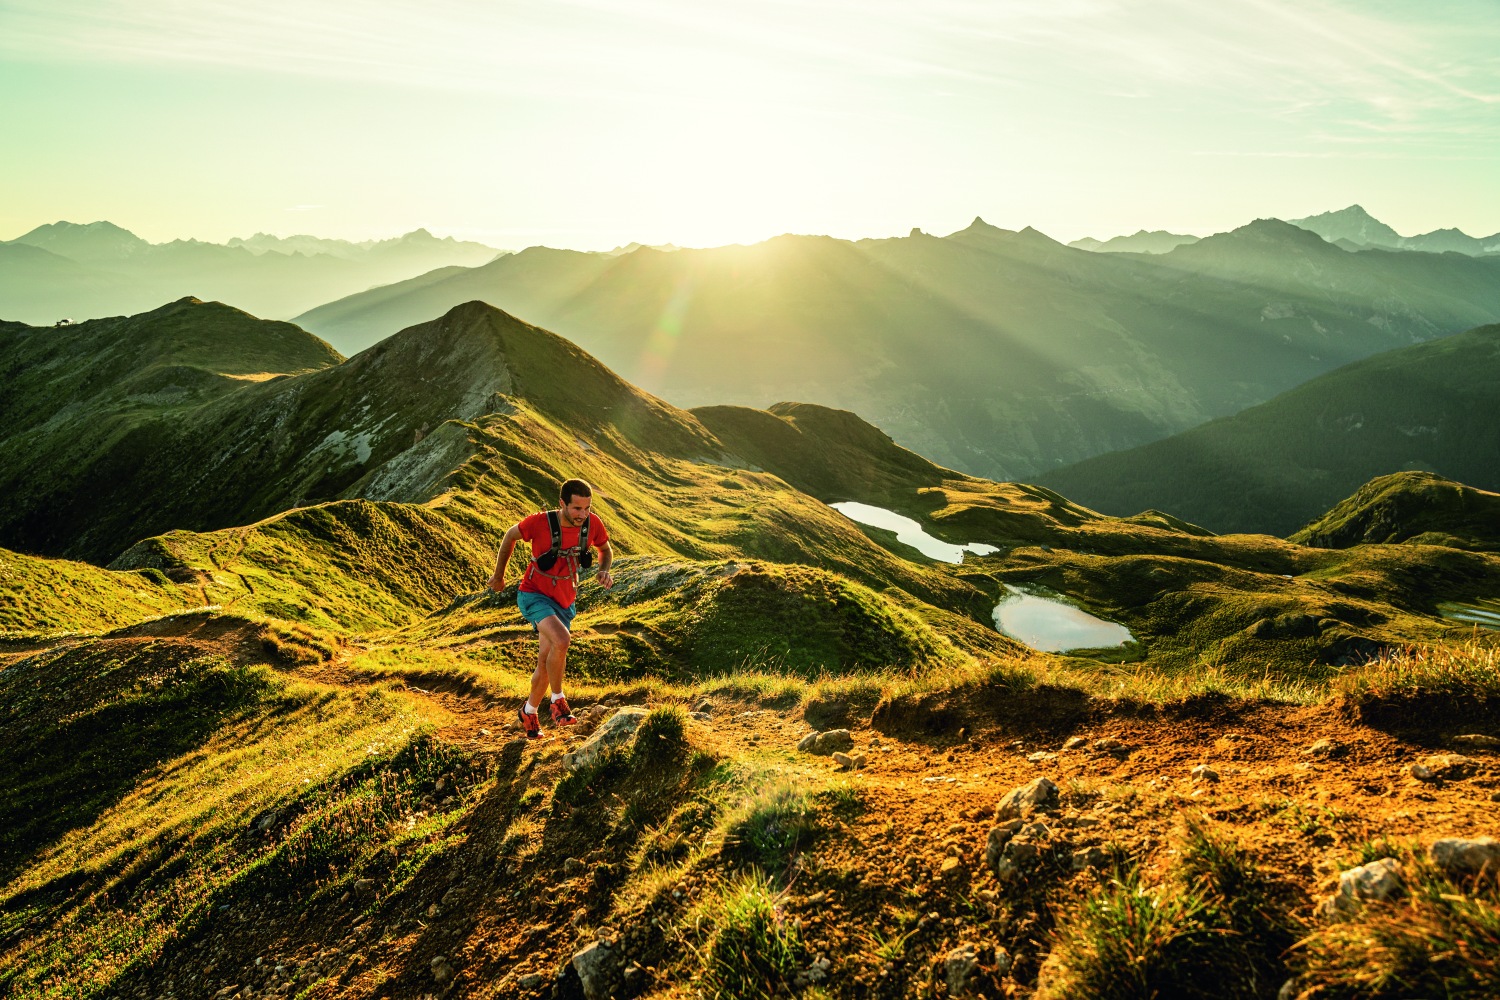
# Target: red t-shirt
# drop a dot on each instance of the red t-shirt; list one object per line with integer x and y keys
{"x": 536, "y": 530}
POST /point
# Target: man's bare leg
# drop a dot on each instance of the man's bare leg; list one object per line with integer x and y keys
{"x": 551, "y": 658}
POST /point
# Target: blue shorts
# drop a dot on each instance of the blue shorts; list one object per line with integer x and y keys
{"x": 537, "y": 607}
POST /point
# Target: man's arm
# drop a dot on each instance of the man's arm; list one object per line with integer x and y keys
{"x": 606, "y": 556}
{"x": 497, "y": 580}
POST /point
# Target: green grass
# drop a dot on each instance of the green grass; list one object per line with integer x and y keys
{"x": 768, "y": 827}
{"x": 1216, "y": 930}
{"x": 1441, "y": 940}
{"x": 119, "y": 844}
{"x": 754, "y": 951}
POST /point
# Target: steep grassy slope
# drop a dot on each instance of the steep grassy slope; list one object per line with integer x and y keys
{"x": 994, "y": 352}
{"x": 1274, "y": 467}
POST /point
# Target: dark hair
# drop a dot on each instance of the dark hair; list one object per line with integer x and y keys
{"x": 575, "y": 488}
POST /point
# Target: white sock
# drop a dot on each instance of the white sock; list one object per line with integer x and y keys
{"x": 530, "y": 709}
{"x": 556, "y": 696}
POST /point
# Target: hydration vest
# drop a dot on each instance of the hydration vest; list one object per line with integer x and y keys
{"x": 572, "y": 558}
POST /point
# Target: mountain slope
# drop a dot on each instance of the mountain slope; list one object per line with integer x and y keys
{"x": 1274, "y": 467}
{"x": 994, "y": 352}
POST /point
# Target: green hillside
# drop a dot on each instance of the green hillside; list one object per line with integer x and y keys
{"x": 1275, "y": 467}
{"x": 1410, "y": 507}
{"x": 997, "y": 353}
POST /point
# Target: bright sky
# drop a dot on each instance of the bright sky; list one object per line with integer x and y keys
{"x": 591, "y": 123}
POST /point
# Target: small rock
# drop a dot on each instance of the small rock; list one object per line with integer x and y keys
{"x": 834, "y": 739}
{"x": 1323, "y": 748}
{"x": 1451, "y": 765}
{"x": 1089, "y": 857}
{"x": 806, "y": 743}
{"x": 1477, "y": 740}
{"x": 1040, "y": 793}
{"x": 596, "y": 966}
{"x": 573, "y": 867}
{"x": 956, "y": 828}
{"x": 433, "y": 911}
{"x": 618, "y": 728}
{"x": 1378, "y": 880}
{"x": 442, "y": 970}
{"x": 1204, "y": 773}
{"x": 1074, "y": 742}
{"x": 949, "y": 865}
{"x": 1003, "y": 960}
{"x": 1040, "y": 757}
{"x": 1457, "y": 857}
{"x": 1107, "y": 743}
{"x": 365, "y": 885}
{"x": 1421, "y": 772}
{"x": 994, "y": 847}
{"x": 704, "y": 707}
{"x": 960, "y": 968}
{"x": 532, "y": 981}
{"x": 844, "y": 761}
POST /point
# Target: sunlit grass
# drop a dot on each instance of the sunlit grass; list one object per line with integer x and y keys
{"x": 116, "y": 891}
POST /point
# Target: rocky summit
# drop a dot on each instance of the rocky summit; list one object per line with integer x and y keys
{"x": 260, "y": 735}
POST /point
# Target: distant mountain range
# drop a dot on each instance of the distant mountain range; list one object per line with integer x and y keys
{"x": 1355, "y": 229}
{"x": 995, "y": 352}
{"x": 1159, "y": 241}
{"x": 69, "y": 271}
{"x": 1433, "y": 407}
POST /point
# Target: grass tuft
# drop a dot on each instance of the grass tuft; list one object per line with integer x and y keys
{"x": 755, "y": 950}
{"x": 769, "y": 826}
{"x": 1441, "y": 940}
{"x": 1215, "y": 930}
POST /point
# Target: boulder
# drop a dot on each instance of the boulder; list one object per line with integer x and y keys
{"x": 1477, "y": 740}
{"x": 1037, "y": 794}
{"x": 1457, "y": 858}
{"x": 1378, "y": 880}
{"x": 617, "y": 729}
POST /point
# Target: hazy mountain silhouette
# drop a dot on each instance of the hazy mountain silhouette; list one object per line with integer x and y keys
{"x": 1157, "y": 241}
{"x": 110, "y": 271}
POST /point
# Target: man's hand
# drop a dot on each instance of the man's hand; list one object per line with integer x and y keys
{"x": 606, "y": 579}
{"x": 497, "y": 582}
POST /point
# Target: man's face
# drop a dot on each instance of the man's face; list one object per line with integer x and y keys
{"x": 577, "y": 510}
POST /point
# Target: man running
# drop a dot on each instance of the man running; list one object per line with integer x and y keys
{"x": 548, "y": 591}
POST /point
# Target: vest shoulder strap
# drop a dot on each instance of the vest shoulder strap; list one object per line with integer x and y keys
{"x": 554, "y": 521}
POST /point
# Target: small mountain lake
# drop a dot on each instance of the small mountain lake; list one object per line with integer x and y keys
{"x": 909, "y": 532}
{"x": 1485, "y": 614}
{"x": 1053, "y": 626}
